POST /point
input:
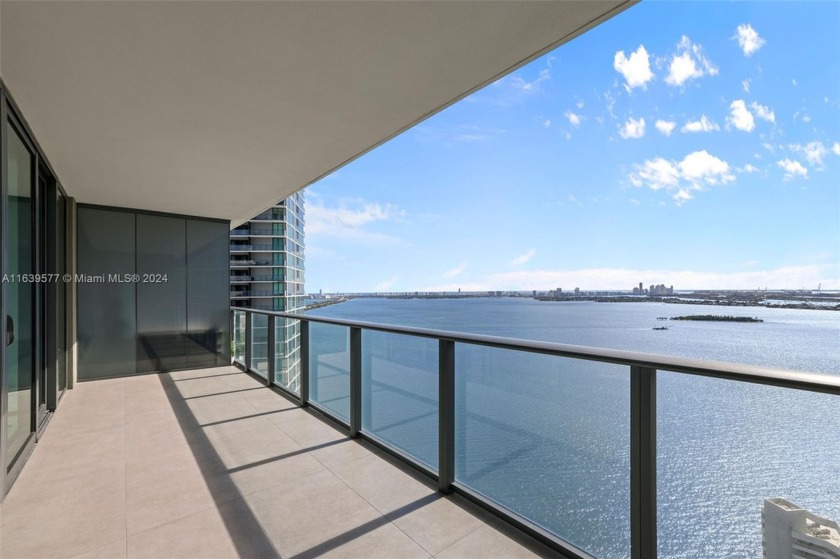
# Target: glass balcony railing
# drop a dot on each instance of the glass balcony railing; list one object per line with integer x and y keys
{"x": 238, "y": 337}
{"x": 258, "y": 344}
{"x": 579, "y": 447}
{"x": 400, "y": 393}
{"x": 329, "y": 368}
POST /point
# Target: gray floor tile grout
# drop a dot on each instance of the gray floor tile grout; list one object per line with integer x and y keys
{"x": 297, "y": 429}
{"x": 468, "y": 534}
{"x": 97, "y": 546}
{"x": 374, "y": 507}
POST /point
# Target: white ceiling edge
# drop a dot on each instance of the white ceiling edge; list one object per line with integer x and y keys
{"x": 220, "y": 109}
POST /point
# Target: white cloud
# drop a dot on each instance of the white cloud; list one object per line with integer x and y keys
{"x": 456, "y": 271}
{"x": 473, "y": 138}
{"x": 387, "y": 284}
{"x": 793, "y": 82}
{"x": 633, "y": 128}
{"x": 748, "y": 39}
{"x": 806, "y": 119}
{"x": 792, "y": 169}
{"x": 635, "y": 68}
{"x": 349, "y": 223}
{"x": 574, "y": 119}
{"x": 511, "y": 90}
{"x": 517, "y": 82}
{"x": 665, "y": 126}
{"x": 610, "y": 99}
{"x": 547, "y": 123}
{"x": 749, "y": 168}
{"x": 740, "y": 117}
{"x": 702, "y": 125}
{"x": 470, "y": 133}
{"x": 746, "y": 85}
{"x": 523, "y": 258}
{"x": 579, "y": 104}
{"x": 836, "y": 148}
{"x": 681, "y": 179}
{"x": 763, "y": 112}
{"x": 814, "y": 152}
{"x": 689, "y": 63}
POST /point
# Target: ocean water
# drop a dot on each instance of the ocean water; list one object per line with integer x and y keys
{"x": 548, "y": 437}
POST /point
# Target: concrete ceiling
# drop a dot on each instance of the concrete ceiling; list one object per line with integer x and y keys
{"x": 220, "y": 109}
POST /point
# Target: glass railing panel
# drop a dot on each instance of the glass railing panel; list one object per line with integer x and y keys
{"x": 259, "y": 344}
{"x": 238, "y": 349}
{"x": 549, "y": 439}
{"x": 724, "y": 447}
{"x": 287, "y": 354}
{"x": 329, "y": 367}
{"x": 400, "y": 392}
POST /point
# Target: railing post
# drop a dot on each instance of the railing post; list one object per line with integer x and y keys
{"x": 304, "y": 363}
{"x": 247, "y": 340}
{"x": 270, "y": 351}
{"x": 446, "y": 414}
{"x": 367, "y": 392}
{"x": 642, "y": 462}
{"x": 232, "y": 341}
{"x": 355, "y": 381}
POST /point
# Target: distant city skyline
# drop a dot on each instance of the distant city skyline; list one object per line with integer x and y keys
{"x": 694, "y": 143}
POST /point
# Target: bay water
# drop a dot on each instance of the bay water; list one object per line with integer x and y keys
{"x": 549, "y": 437}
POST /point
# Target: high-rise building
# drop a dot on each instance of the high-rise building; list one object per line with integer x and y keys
{"x": 791, "y": 532}
{"x": 267, "y": 273}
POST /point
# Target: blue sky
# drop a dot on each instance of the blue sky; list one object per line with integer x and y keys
{"x": 685, "y": 143}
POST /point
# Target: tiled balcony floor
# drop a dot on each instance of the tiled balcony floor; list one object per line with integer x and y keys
{"x": 209, "y": 463}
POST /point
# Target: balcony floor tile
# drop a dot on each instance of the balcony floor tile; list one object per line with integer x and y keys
{"x": 209, "y": 464}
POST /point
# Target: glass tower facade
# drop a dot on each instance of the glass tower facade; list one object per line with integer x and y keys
{"x": 267, "y": 272}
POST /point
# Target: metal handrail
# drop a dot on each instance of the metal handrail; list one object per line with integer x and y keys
{"x": 802, "y": 380}
{"x": 642, "y": 368}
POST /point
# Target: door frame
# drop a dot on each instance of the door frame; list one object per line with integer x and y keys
{"x": 44, "y": 347}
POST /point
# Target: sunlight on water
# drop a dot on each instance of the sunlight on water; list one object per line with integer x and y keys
{"x": 549, "y": 437}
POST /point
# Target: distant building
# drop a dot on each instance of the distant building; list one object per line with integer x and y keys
{"x": 791, "y": 532}
{"x": 266, "y": 272}
{"x": 577, "y": 290}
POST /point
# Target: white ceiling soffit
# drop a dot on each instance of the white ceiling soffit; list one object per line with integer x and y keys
{"x": 220, "y": 109}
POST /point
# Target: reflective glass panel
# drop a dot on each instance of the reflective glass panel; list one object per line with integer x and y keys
{"x": 400, "y": 392}
{"x": 329, "y": 367}
{"x": 548, "y": 438}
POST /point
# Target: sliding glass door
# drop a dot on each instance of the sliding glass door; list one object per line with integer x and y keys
{"x": 21, "y": 401}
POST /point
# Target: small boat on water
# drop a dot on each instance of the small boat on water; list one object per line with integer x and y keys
{"x": 660, "y": 328}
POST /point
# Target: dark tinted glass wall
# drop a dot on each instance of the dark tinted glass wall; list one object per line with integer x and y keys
{"x": 107, "y": 310}
{"x": 174, "y": 315}
{"x": 161, "y": 293}
{"x": 208, "y": 285}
